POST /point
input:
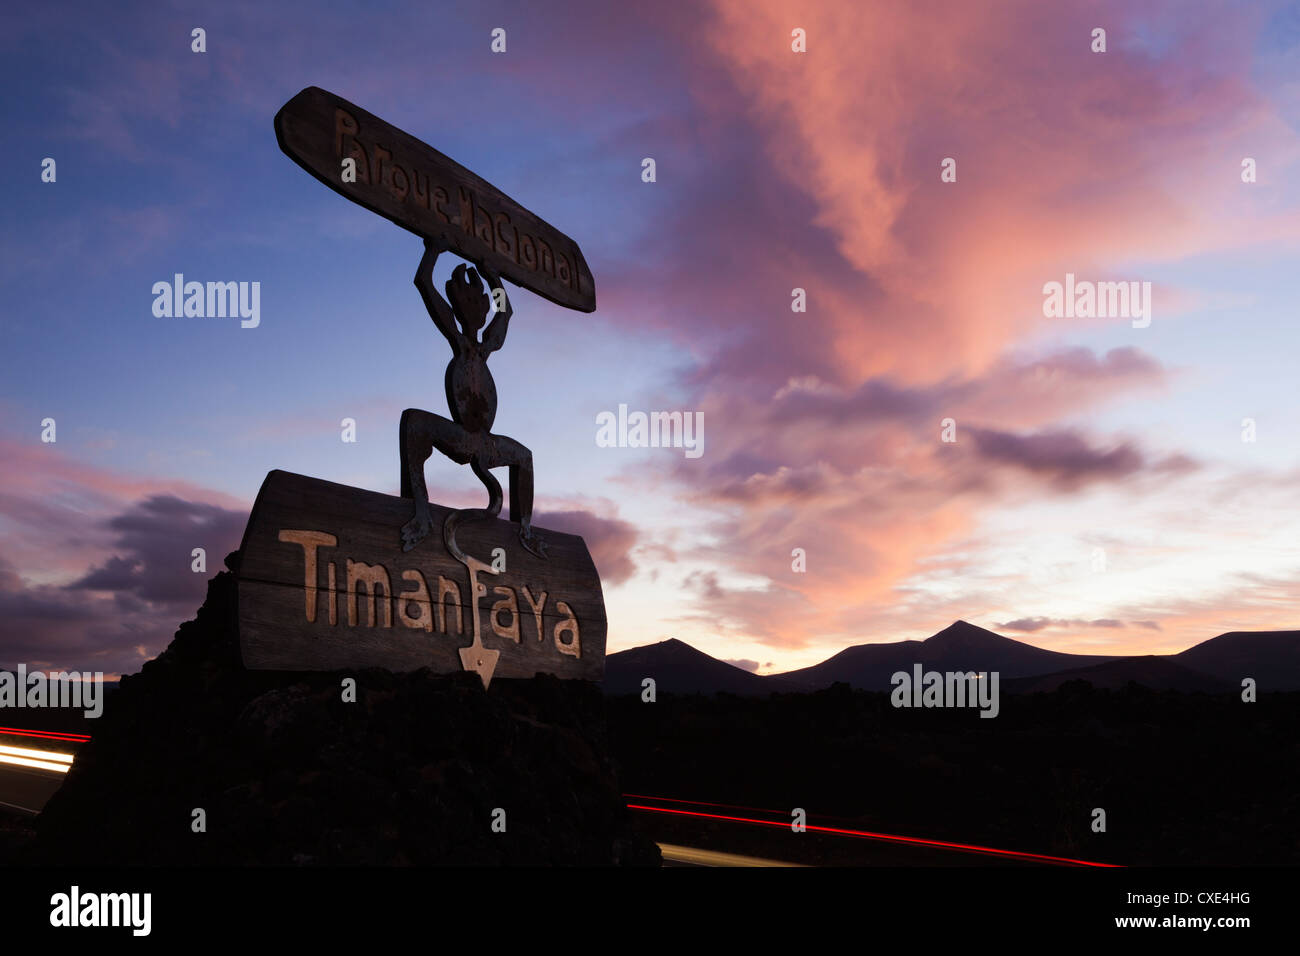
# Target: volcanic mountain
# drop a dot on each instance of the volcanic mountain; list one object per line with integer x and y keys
{"x": 1152, "y": 670}
{"x": 958, "y": 647}
{"x": 1272, "y": 658}
{"x": 678, "y": 668}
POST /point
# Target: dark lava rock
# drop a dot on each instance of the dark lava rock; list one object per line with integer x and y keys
{"x": 288, "y": 773}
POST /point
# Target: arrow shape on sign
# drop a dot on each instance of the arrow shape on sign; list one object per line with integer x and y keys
{"x": 482, "y": 660}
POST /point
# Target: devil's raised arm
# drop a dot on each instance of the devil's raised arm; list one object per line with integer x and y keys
{"x": 494, "y": 336}
{"x": 437, "y": 306}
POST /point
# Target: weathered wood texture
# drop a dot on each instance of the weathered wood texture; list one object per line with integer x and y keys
{"x": 420, "y": 189}
{"x": 541, "y": 615}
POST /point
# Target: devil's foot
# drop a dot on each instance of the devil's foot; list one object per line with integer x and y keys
{"x": 532, "y": 541}
{"x": 415, "y": 530}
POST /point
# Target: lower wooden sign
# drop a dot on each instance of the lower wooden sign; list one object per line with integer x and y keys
{"x": 323, "y": 584}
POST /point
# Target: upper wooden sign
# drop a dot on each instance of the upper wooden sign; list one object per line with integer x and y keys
{"x": 323, "y": 585}
{"x": 420, "y": 189}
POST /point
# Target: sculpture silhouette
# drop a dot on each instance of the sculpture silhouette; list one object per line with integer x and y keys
{"x": 472, "y": 399}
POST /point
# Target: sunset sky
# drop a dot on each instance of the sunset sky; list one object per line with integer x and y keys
{"x": 775, "y": 170}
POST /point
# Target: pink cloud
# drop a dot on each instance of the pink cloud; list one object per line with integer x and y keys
{"x": 823, "y": 426}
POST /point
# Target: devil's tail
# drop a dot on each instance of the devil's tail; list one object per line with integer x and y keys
{"x": 472, "y": 514}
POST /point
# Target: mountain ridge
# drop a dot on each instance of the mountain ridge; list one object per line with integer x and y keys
{"x": 1219, "y": 664}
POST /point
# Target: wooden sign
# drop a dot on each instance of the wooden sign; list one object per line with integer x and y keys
{"x": 324, "y": 585}
{"x": 420, "y": 189}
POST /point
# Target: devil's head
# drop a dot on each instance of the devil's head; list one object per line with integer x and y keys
{"x": 469, "y": 300}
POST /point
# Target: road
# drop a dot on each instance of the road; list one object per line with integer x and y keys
{"x": 675, "y": 855}
{"x": 25, "y": 789}
{"x": 33, "y": 764}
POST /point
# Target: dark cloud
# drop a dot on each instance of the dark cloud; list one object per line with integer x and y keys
{"x": 1027, "y": 624}
{"x": 810, "y": 437}
{"x": 1065, "y": 458}
{"x": 705, "y": 584}
{"x": 1032, "y": 624}
{"x": 47, "y": 626}
{"x": 126, "y": 608}
{"x": 156, "y": 538}
{"x": 609, "y": 540}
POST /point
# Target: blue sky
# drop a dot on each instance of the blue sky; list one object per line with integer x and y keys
{"x": 774, "y": 171}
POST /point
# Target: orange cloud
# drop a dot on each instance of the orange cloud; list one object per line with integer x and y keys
{"x": 823, "y": 427}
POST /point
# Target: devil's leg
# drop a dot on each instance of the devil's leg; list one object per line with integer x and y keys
{"x": 420, "y": 433}
{"x": 507, "y": 451}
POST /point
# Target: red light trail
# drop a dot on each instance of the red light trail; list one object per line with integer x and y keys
{"x": 868, "y": 835}
{"x": 837, "y": 831}
{"x": 47, "y": 734}
{"x": 729, "y": 806}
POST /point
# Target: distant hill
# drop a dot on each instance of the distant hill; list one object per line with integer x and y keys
{"x": 1153, "y": 671}
{"x": 959, "y": 647}
{"x": 678, "y": 668}
{"x": 1272, "y": 658}
{"x": 1216, "y": 665}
